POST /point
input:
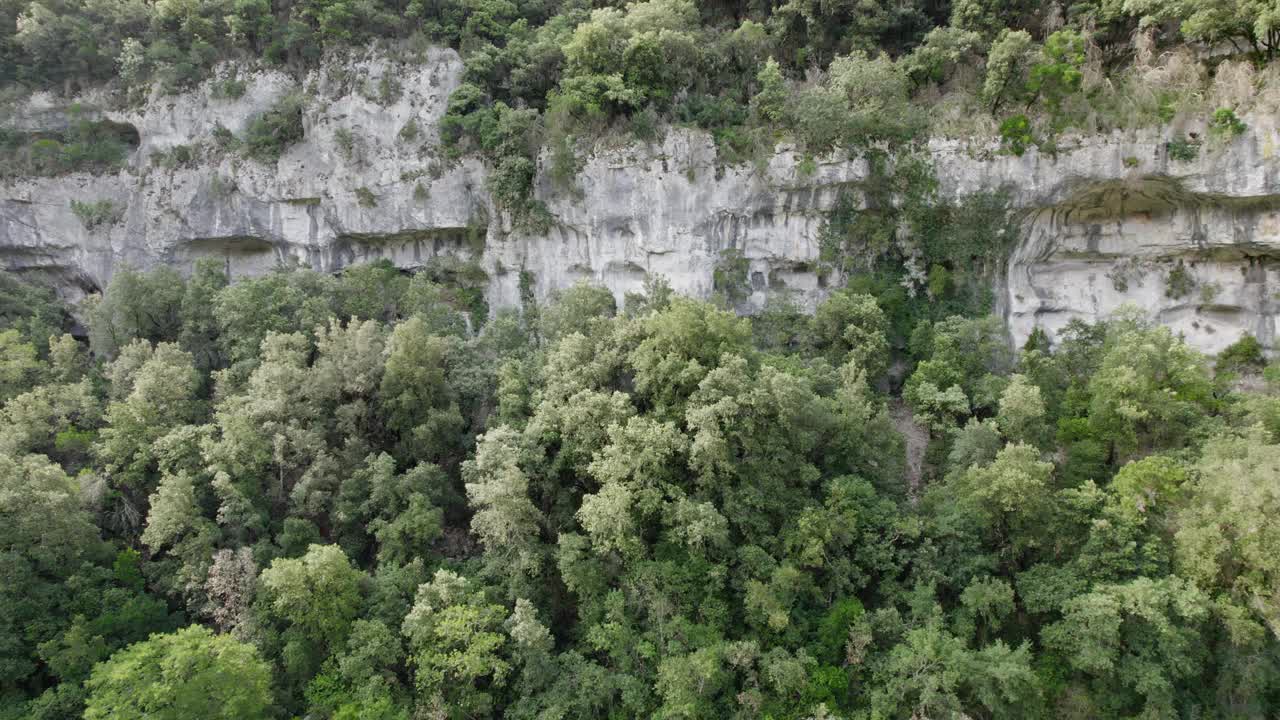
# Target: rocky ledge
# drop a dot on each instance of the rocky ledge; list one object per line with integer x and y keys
{"x": 1104, "y": 222}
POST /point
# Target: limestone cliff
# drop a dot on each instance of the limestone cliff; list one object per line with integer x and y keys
{"x": 1106, "y": 221}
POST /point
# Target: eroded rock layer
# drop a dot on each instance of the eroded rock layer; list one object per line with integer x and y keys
{"x": 1106, "y": 221}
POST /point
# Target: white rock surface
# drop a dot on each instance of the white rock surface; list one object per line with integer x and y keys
{"x": 1105, "y": 222}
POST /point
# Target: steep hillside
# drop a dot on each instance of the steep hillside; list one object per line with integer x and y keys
{"x": 1104, "y": 220}
{"x": 609, "y": 359}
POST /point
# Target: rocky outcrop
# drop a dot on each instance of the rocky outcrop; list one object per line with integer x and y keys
{"x": 1206, "y": 264}
{"x": 1107, "y": 221}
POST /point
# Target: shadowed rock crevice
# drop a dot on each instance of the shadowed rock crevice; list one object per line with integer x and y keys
{"x": 409, "y": 249}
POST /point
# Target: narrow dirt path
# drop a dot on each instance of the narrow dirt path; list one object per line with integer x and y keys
{"x": 917, "y": 438}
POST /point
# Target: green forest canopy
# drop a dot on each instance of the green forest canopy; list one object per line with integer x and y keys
{"x": 309, "y": 496}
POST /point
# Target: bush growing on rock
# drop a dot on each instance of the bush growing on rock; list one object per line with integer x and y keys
{"x": 270, "y": 134}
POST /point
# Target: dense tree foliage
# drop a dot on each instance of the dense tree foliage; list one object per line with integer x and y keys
{"x": 370, "y": 503}
{"x": 190, "y": 673}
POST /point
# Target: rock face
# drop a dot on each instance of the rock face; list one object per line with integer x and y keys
{"x": 1207, "y": 265}
{"x": 1108, "y": 221}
